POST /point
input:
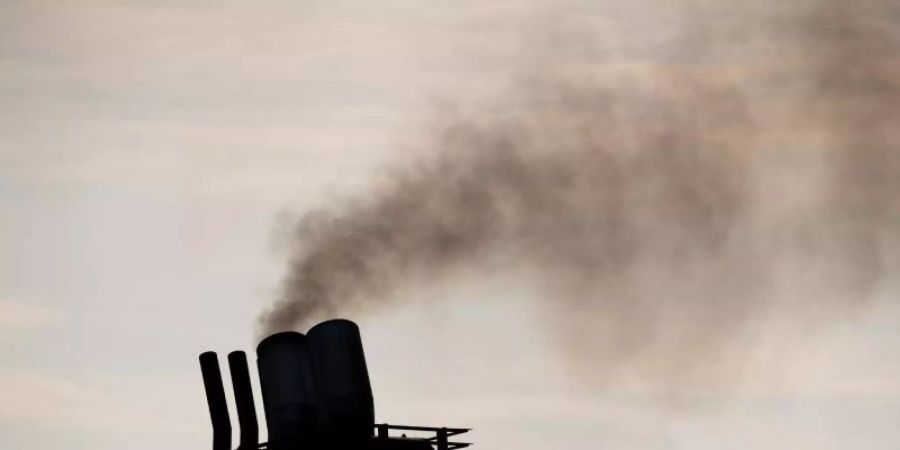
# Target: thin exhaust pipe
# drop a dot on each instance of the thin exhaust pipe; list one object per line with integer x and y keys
{"x": 215, "y": 397}
{"x": 243, "y": 400}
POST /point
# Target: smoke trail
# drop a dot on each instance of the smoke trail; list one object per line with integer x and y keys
{"x": 666, "y": 206}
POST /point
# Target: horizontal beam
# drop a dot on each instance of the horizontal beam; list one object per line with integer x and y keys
{"x": 431, "y": 440}
{"x": 433, "y": 429}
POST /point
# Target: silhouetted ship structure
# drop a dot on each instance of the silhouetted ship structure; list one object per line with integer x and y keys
{"x": 316, "y": 396}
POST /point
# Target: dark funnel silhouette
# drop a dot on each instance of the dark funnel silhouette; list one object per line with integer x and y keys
{"x": 316, "y": 395}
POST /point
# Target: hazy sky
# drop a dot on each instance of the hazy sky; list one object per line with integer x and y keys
{"x": 152, "y": 154}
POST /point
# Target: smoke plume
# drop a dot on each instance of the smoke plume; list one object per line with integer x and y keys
{"x": 669, "y": 204}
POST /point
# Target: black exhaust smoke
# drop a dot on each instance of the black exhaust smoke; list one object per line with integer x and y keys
{"x": 670, "y": 205}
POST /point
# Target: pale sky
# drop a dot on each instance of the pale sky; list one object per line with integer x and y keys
{"x": 152, "y": 151}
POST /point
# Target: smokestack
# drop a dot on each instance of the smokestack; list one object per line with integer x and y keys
{"x": 286, "y": 381}
{"x": 243, "y": 400}
{"x": 215, "y": 397}
{"x": 316, "y": 395}
{"x": 346, "y": 406}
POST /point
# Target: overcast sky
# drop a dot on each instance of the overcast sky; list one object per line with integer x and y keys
{"x": 153, "y": 152}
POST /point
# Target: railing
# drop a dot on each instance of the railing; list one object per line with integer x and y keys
{"x": 439, "y": 441}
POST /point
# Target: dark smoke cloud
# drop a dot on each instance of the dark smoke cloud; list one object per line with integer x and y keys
{"x": 668, "y": 207}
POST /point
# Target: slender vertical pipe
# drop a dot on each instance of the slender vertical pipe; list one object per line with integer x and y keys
{"x": 215, "y": 397}
{"x": 243, "y": 400}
